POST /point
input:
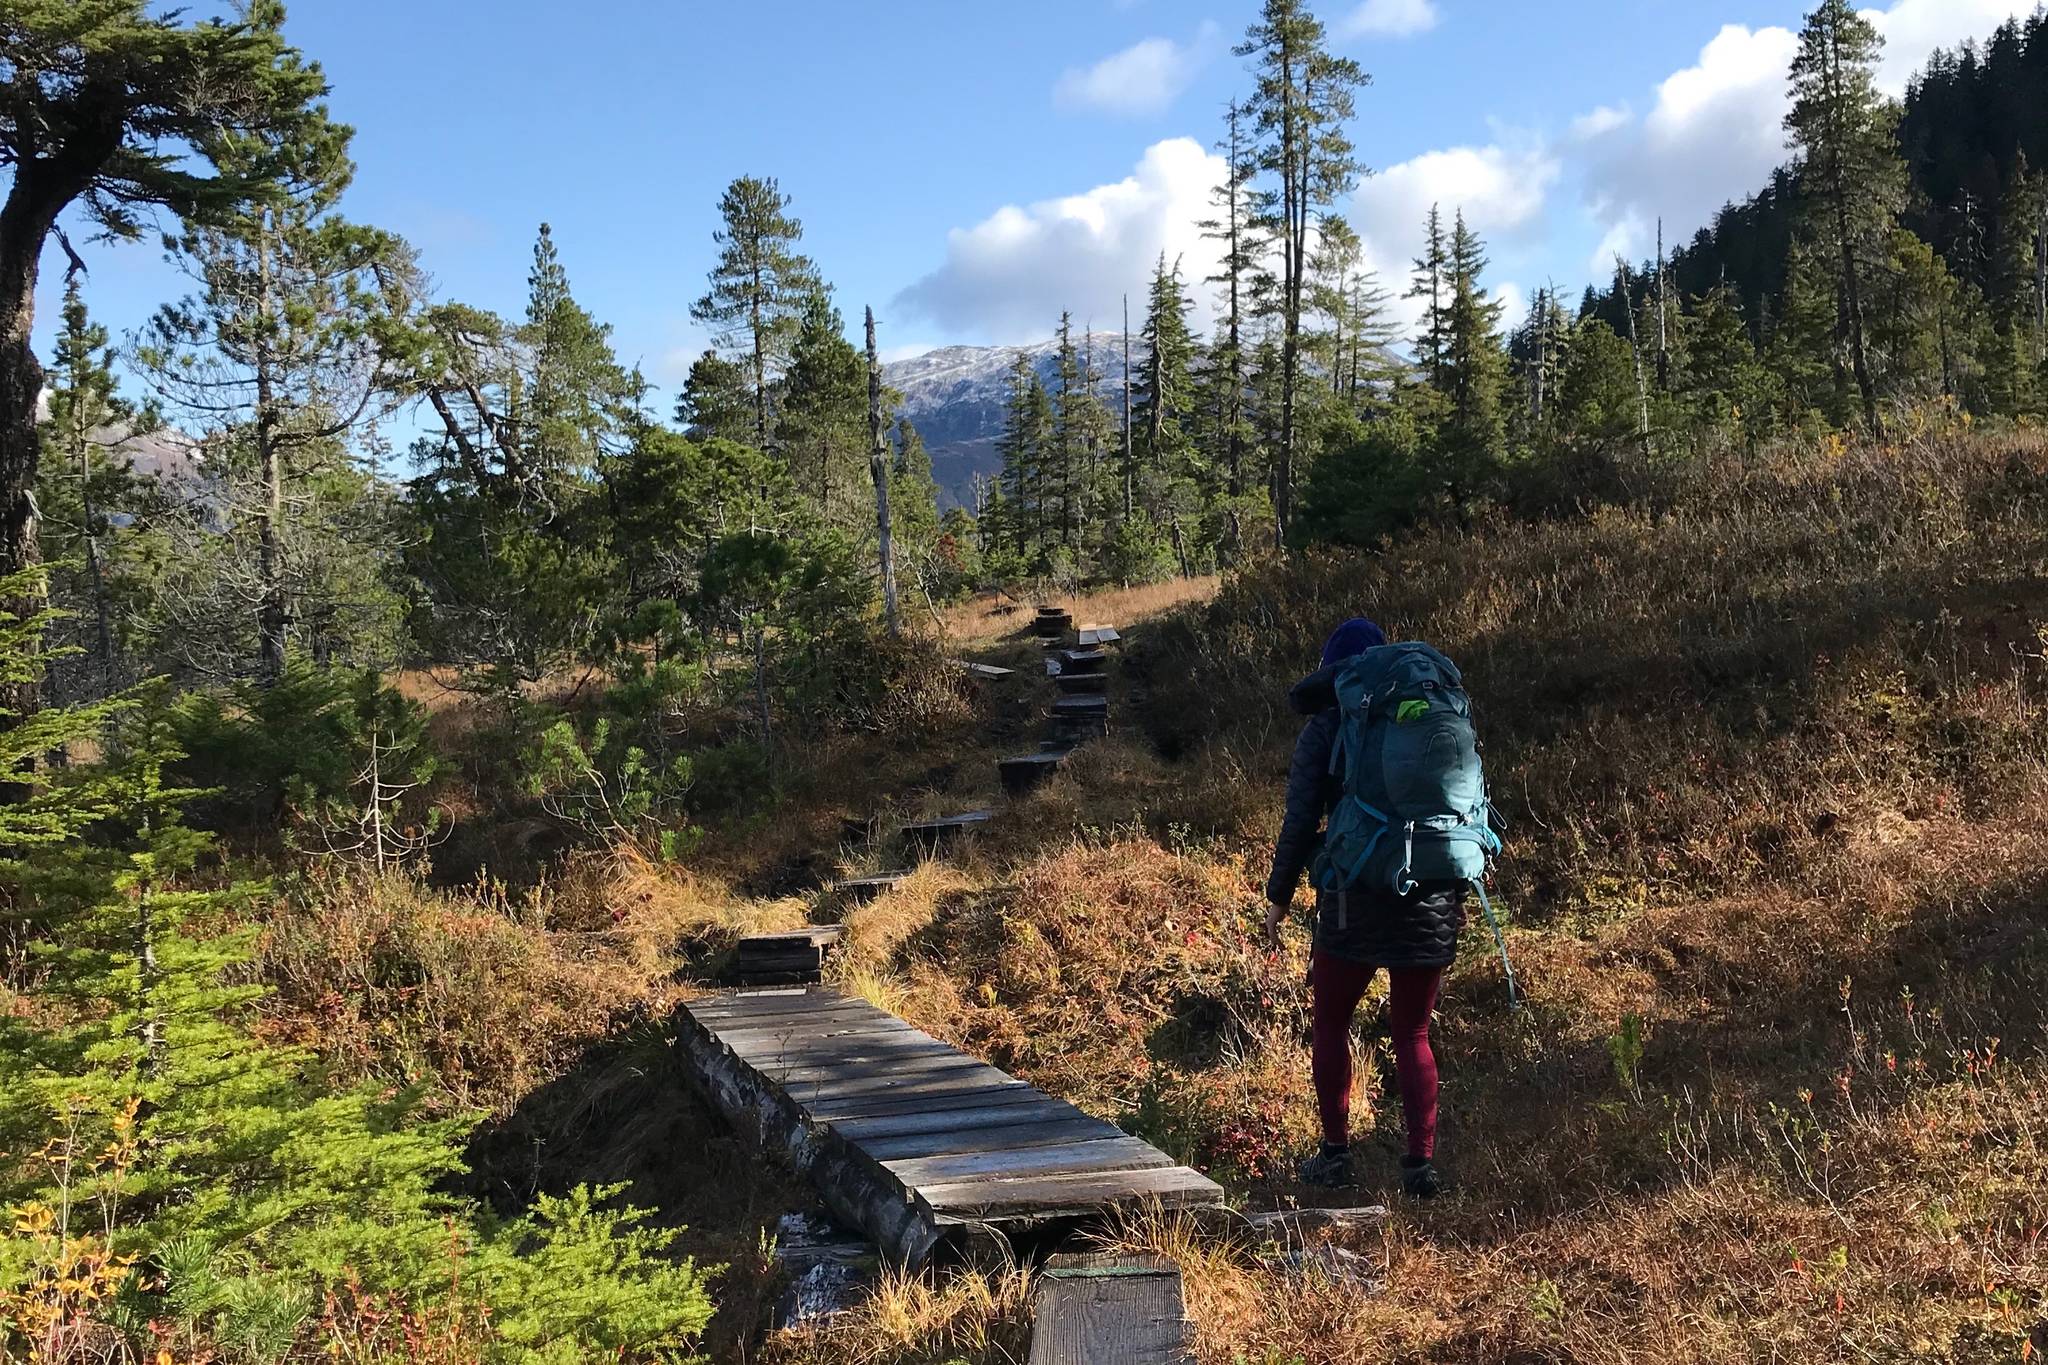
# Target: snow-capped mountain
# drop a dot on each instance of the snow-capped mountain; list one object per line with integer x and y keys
{"x": 955, "y": 397}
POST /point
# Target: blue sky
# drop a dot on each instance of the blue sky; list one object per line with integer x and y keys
{"x": 971, "y": 168}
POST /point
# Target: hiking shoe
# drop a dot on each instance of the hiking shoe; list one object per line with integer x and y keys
{"x": 1330, "y": 1168}
{"x": 1419, "y": 1178}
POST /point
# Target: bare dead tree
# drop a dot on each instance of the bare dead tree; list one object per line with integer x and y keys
{"x": 878, "y": 466}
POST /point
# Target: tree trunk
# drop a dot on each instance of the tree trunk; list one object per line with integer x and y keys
{"x": 1293, "y": 191}
{"x": 878, "y": 465}
{"x": 25, "y": 223}
{"x": 103, "y": 619}
{"x": 760, "y": 366}
{"x": 1852, "y": 300}
{"x": 1130, "y": 456}
{"x": 761, "y": 692}
{"x": 271, "y": 617}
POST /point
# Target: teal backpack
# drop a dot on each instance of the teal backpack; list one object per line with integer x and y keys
{"x": 1414, "y": 808}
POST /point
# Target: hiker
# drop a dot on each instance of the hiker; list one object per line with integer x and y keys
{"x": 1370, "y": 925}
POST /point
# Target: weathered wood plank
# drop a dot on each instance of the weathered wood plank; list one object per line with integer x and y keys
{"x": 814, "y": 936}
{"x": 966, "y": 1076}
{"x": 901, "y": 1068}
{"x": 1061, "y": 1196}
{"x": 1099, "y": 1310}
{"x": 992, "y": 1138}
{"x": 1102, "y": 1154}
{"x": 836, "y": 1107}
{"x": 861, "y": 890}
{"x": 1004, "y": 1114}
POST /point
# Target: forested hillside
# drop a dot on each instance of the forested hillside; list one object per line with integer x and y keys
{"x": 403, "y": 704}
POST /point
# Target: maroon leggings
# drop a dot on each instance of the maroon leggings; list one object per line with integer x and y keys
{"x": 1336, "y": 986}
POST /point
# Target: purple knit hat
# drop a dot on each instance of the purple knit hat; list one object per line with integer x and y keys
{"x": 1352, "y": 638}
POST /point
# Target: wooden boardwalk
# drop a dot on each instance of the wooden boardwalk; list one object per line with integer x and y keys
{"x": 907, "y": 1138}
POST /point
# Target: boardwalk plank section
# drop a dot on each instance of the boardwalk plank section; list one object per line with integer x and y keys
{"x": 908, "y": 1139}
{"x": 1110, "y": 1310}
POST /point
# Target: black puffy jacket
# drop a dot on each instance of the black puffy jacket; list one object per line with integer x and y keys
{"x": 1377, "y": 927}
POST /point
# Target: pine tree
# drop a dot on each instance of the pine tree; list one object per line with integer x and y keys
{"x": 759, "y": 286}
{"x": 1850, "y": 171}
{"x": 119, "y": 110}
{"x": 1302, "y": 104}
{"x": 278, "y": 357}
{"x": 1165, "y": 408}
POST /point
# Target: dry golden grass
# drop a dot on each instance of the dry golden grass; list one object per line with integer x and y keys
{"x": 1774, "y": 758}
{"x": 993, "y": 617}
{"x": 968, "y": 1317}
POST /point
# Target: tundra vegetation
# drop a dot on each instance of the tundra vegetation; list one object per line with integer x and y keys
{"x": 368, "y": 812}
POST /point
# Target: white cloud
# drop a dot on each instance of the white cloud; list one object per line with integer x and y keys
{"x": 1389, "y": 19}
{"x": 1006, "y": 278}
{"x": 1914, "y": 28}
{"x": 1145, "y": 78}
{"x": 1716, "y": 131}
{"x": 1600, "y": 122}
{"x": 1502, "y": 190}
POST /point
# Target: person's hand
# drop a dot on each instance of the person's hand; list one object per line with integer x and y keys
{"x": 1276, "y": 915}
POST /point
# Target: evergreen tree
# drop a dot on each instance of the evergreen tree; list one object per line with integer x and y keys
{"x": 914, "y": 507}
{"x": 1244, "y": 286}
{"x": 1165, "y": 410}
{"x": 1027, "y": 433}
{"x": 1301, "y": 106}
{"x": 1475, "y": 365}
{"x": 120, "y": 109}
{"x": 760, "y": 285}
{"x": 821, "y": 429}
{"x": 1850, "y": 171}
{"x": 278, "y": 357}
{"x": 716, "y": 402}
{"x": 99, "y": 518}
{"x": 579, "y": 403}
{"x": 1432, "y": 285}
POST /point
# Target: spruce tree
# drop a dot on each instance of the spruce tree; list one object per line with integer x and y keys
{"x": 1475, "y": 365}
{"x": 1243, "y": 286}
{"x": 1165, "y": 409}
{"x": 1431, "y": 282}
{"x": 1027, "y": 432}
{"x": 98, "y": 515}
{"x": 717, "y": 401}
{"x": 759, "y": 286}
{"x": 821, "y": 428}
{"x": 1850, "y": 172}
{"x": 1301, "y": 106}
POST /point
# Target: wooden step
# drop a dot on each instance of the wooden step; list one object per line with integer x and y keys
{"x": 861, "y": 890}
{"x": 975, "y": 670}
{"x": 1083, "y": 684}
{"x": 1094, "y": 637}
{"x": 1028, "y": 772}
{"x": 1084, "y": 660}
{"x": 1100, "y": 1307}
{"x": 929, "y": 836}
{"x": 1081, "y": 706}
